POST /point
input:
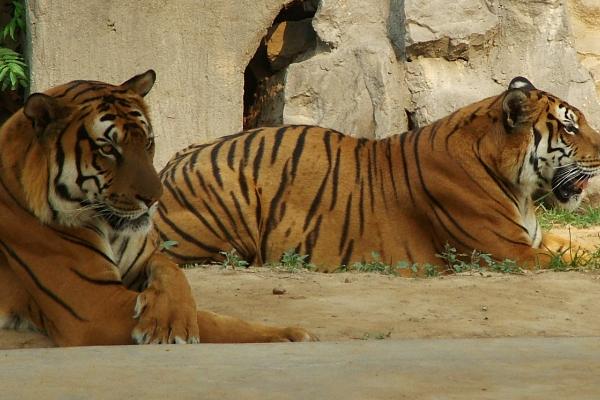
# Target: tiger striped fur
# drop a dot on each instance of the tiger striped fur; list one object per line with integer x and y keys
{"x": 465, "y": 180}
{"x": 78, "y": 256}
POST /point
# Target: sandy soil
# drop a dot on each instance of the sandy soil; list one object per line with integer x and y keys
{"x": 369, "y": 306}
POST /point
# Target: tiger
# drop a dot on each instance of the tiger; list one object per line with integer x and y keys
{"x": 464, "y": 181}
{"x": 79, "y": 260}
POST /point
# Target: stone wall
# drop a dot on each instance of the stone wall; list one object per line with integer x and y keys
{"x": 375, "y": 67}
{"x": 198, "y": 49}
{"x": 448, "y": 54}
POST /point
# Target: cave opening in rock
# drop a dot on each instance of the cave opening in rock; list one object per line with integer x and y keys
{"x": 290, "y": 36}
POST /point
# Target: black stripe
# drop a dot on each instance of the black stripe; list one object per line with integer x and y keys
{"x": 430, "y": 196}
{"x": 188, "y": 206}
{"x": 240, "y": 245}
{"x": 348, "y": 253}
{"x": 391, "y": 170}
{"x": 187, "y": 180}
{"x": 214, "y": 163}
{"x": 271, "y": 222}
{"x": 346, "y": 225}
{"x": 137, "y": 256}
{"x": 312, "y": 238}
{"x": 94, "y": 281}
{"x": 231, "y": 154}
{"x": 241, "y": 216}
{"x": 243, "y": 183}
{"x": 187, "y": 237}
{"x": 371, "y": 163}
{"x": 258, "y": 158}
{"x": 298, "y": 149}
{"x": 335, "y": 180}
{"x": 11, "y": 253}
{"x": 278, "y": 139}
{"x": 405, "y": 168}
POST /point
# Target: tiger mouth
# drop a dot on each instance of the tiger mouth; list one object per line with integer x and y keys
{"x": 569, "y": 182}
{"x": 120, "y": 220}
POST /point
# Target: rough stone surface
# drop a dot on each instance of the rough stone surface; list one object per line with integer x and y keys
{"x": 553, "y": 368}
{"x": 507, "y": 38}
{"x": 450, "y": 30}
{"x": 585, "y": 22}
{"x": 199, "y": 51}
{"x": 353, "y": 82}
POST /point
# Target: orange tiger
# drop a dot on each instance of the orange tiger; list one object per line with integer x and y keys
{"x": 465, "y": 180}
{"x": 78, "y": 257}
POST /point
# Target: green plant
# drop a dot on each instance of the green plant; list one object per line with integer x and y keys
{"x": 167, "y": 244}
{"x": 476, "y": 261}
{"x": 13, "y": 69}
{"x": 576, "y": 260}
{"x": 293, "y": 262}
{"x": 17, "y": 21}
{"x": 375, "y": 265}
{"x": 233, "y": 259}
{"x": 506, "y": 266}
{"x": 584, "y": 217}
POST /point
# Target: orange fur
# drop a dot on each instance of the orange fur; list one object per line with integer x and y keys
{"x": 465, "y": 180}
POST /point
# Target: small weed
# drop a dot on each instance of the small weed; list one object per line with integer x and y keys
{"x": 232, "y": 259}
{"x": 579, "y": 260}
{"x": 476, "y": 261}
{"x": 506, "y": 266}
{"x": 430, "y": 270}
{"x": 168, "y": 244}
{"x": 376, "y": 265}
{"x": 292, "y": 262}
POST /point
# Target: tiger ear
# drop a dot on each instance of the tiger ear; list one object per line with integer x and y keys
{"x": 520, "y": 82}
{"x": 516, "y": 109}
{"x": 42, "y": 109}
{"x": 142, "y": 83}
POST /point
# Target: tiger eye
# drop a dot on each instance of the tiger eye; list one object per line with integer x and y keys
{"x": 107, "y": 149}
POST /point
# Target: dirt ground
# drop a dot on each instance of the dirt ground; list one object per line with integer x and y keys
{"x": 370, "y": 306}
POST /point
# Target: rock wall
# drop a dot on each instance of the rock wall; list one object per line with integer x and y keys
{"x": 198, "y": 49}
{"x": 429, "y": 58}
{"x": 366, "y": 67}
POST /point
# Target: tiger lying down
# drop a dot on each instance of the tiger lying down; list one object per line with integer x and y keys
{"x": 77, "y": 191}
{"x": 465, "y": 180}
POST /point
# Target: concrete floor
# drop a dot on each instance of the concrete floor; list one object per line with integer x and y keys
{"x": 515, "y": 368}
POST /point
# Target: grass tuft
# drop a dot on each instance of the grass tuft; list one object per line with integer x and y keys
{"x": 233, "y": 260}
{"x": 584, "y": 217}
{"x": 292, "y": 262}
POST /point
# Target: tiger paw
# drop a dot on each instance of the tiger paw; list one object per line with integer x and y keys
{"x": 163, "y": 319}
{"x": 293, "y": 334}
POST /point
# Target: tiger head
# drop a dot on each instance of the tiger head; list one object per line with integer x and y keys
{"x": 563, "y": 149}
{"x": 86, "y": 154}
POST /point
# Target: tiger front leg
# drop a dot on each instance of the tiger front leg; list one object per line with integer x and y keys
{"x": 216, "y": 328}
{"x": 569, "y": 251}
{"x": 165, "y": 310}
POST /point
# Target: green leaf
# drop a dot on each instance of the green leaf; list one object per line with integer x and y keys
{"x": 13, "y": 80}
{"x": 167, "y": 244}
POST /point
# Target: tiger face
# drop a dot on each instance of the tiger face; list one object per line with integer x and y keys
{"x": 564, "y": 152}
{"x": 100, "y": 145}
